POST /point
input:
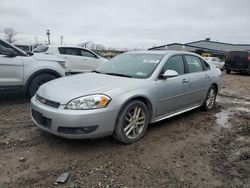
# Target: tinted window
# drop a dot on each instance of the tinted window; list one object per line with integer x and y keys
{"x": 41, "y": 49}
{"x": 86, "y": 53}
{"x": 3, "y": 45}
{"x": 175, "y": 63}
{"x": 70, "y": 51}
{"x": 194, "y": 64}
{"x": 206, "y": 65}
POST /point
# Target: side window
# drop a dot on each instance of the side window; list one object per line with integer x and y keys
{"x": 194, "y": 64}
{"x": 206, "y": 65}
{"x": 4, "y": 45}
{"x": 219, "y": 60}
{"x": 86, "y": 53}
{"x": 69, "y": 51}
{"x": 175, "y": 63}
{"x": 1, "y": 47}
{"x": 41, "y": 49}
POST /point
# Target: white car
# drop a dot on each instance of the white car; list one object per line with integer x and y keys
{"x": 216, "y": 62}
{"x": 20, "y": 72}
{"x": 78, "y": 59}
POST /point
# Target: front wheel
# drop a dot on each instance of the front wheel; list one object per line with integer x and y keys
{"x": 132, "y": 122}
{"x": 38, "y": 81}
{"x": 209, "y": 102}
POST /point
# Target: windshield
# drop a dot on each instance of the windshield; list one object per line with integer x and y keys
{"x": 41, "y": 49}
{"x": 135, "y": 65}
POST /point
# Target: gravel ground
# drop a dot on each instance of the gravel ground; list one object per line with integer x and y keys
{"x": 195, "y": 149}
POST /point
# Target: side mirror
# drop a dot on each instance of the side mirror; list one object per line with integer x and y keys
{"x": 8, "y": 52}
{"x": 169, "y": 74}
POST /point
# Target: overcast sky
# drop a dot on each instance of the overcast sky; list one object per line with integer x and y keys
{"x": 127, "y": 23}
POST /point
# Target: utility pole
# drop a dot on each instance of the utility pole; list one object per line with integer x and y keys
{"x": 61, "y": 37}
{"x": 48, "y": 34}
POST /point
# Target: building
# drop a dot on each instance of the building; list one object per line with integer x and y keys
{"x": 205, "y": 47}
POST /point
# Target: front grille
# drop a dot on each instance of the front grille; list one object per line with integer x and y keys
{"x": 47, "y": 102}
{"x": 41, "y": 120}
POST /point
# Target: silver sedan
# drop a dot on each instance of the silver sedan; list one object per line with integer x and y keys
{"x": 126, "y": 94}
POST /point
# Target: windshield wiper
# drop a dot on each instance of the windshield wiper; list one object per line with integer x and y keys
{"x": 118, "y": 74}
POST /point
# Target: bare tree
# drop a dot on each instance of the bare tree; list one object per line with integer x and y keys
{"x": 10, "y": 34}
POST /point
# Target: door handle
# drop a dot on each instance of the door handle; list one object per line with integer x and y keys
{"x": 184, "y": 81}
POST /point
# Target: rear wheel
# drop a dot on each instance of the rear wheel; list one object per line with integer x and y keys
{"x": 132, "y": 122}
{"x": 38, "y": 81}
{"x": 209, "y": 102}
{"x": 228, "y": 71}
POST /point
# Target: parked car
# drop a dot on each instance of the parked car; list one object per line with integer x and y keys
{"x": 238, "y": 61}
{"x": 124, "y": 95}
{"x": 26, "y": 48}
{"x": 78, "y": 59}
{"x": 20, "y": 72}
{"x": 216, "y": 62}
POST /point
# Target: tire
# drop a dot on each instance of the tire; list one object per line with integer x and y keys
{"x": 228, "y": 71}
{"x": 209, "y": 102}
{"x": 37, "y": 81}
{"x": 130, "y": 134}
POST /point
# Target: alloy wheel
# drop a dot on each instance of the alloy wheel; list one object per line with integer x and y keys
{"x": 134, "y": 122}
{"x": 211, "y": 98}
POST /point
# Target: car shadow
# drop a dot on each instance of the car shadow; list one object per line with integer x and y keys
{"x": 240, "y": 74}
{"x": 110, "y": 142}
{"x": 14, "y": 99}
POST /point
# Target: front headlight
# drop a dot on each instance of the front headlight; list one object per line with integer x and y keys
{"x": 88, "y": 102}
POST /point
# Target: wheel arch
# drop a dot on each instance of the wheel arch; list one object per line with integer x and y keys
{"x": 42, "y": 71}
{"x": 216, "y": 86}
{"x": 141, "y": 98}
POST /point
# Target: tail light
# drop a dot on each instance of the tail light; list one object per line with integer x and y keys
{"x": 248, "y": 58}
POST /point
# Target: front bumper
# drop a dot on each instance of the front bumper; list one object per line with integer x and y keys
{"x": 74, "y": 124}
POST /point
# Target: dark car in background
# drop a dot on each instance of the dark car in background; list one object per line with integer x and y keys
{"x": 238, "y": 61}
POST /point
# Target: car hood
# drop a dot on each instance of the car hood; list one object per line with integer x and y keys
{"x": 47, "y": 57}
{"x": 65, "y": 89}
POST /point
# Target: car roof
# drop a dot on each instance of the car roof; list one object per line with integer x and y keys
{"x": 66, "y": 46}
{"x": 162, "y": 52}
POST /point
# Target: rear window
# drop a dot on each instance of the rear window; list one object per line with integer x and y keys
{"x": 194, "y": 64}
{"x": 69, "y": 51}
{"x": 41, "y": 49}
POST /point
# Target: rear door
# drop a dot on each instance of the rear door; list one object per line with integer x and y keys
{"x": 231, "y": 60}
{"x": 78, "y": 59}
{"x": 73, "y": 58}
{"x": 242, "y": 60}
{"x": 11, "y": 69}
{"x": 199, "y": 79}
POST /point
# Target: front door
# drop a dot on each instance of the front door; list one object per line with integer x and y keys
{"x": 11, "y": 69}
{"x": 171, "y": 92}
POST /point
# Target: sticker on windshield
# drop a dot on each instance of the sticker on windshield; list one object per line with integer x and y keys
{"x": 141, "y": 74}
{"x": 151, "y": 61}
